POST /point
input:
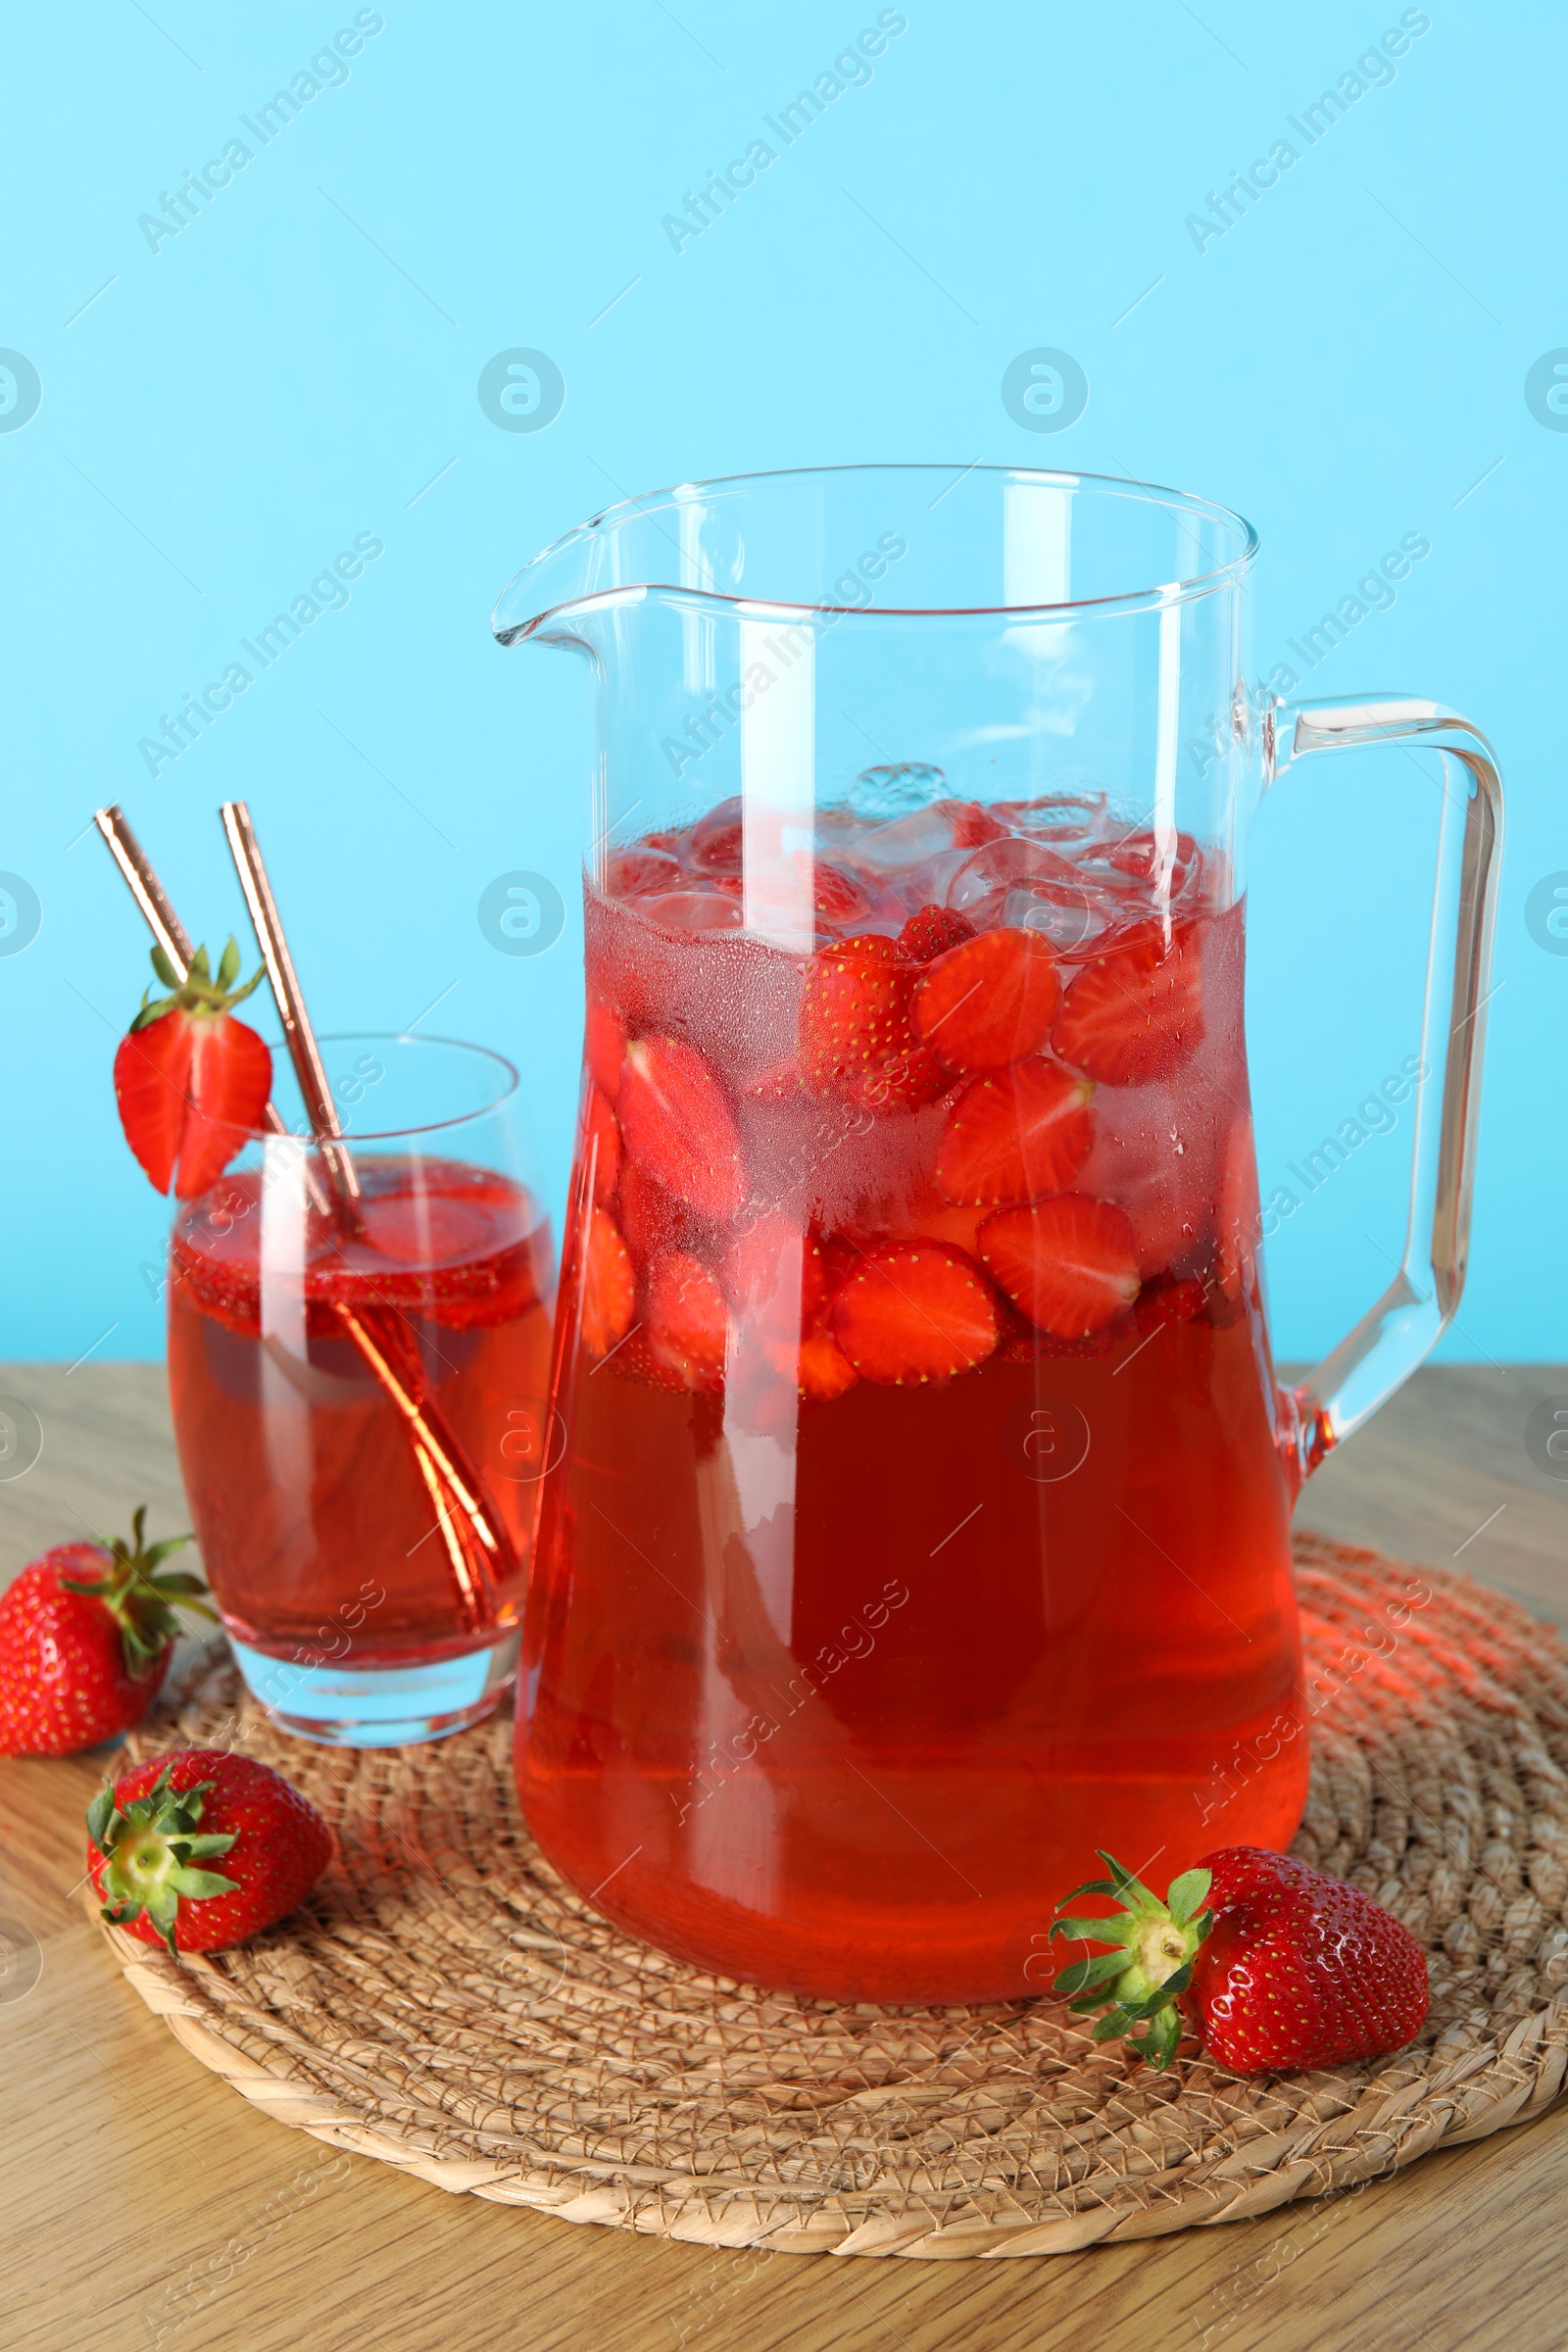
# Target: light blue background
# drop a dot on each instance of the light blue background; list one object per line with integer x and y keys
{"x": 298, "y": 363}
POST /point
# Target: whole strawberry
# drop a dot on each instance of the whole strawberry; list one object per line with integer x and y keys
{"x": 1277, "y": 1966}
{"x": 85, "y": 1637}
{"x": 190, "y": 1081}
{"x": 149, "y": 1836}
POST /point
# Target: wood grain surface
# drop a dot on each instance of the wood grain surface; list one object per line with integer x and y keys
{"x": 145, "y": 2204}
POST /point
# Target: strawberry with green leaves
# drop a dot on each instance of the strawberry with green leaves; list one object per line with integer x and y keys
{"x": 87, "y": 1634}
{"x": 190, "y": 1081}
{"x": 151, "y": 1836}
{"x": 1277, "y": 1966}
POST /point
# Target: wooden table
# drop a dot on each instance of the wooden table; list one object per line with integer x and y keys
{"x": 145, "y": 2202}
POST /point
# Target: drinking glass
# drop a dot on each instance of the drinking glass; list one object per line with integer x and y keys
{"x": 358, "y": 1342}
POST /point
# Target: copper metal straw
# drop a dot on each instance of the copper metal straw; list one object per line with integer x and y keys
{"x": 145, "y": 887}
{"x": 437, "y": 1455}
{"x": 298, "y": 1034}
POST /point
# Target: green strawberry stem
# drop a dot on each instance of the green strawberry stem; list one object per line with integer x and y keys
{"x": 1140, "y": 1980}
{"x": 198, "y": 992}
{"x": 140, "y": 1598}
{"x": 149, "y": 1849}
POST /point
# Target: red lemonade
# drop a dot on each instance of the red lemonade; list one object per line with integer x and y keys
{"x": 327, "y": 1529}
{"x": 923, "y": 1525}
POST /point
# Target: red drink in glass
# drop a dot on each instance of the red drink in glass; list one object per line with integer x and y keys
{"x": 338, "y": 1388}
{"x": 838, "y": 1682}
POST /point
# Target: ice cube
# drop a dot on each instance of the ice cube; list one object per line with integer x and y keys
{"x": 1007, "y": 865}
{"x": 1056, "y": 817}
{"x": 1068, "y": 919}
{"x": 924, "y": 833}
{"x": 693, "y": 910}
{"x": 1021, "y": 884}
{"x": 1164, "y": 862}
{"x": 836, "y": 829}
{"x": 926, "y": 885}
{"x": 883, "y": 793}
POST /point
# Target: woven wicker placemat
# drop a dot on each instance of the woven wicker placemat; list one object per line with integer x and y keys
{"x": 443, "y": 2003}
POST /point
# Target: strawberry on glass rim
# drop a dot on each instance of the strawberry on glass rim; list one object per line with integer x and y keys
{"x": 191, "y": 1082}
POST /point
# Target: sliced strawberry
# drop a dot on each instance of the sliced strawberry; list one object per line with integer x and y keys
{"x": 972, "y": 825}
{"x": 905, "y": 1081}
{"x": 688, "y": 1322}
{"x": 191, "y": 1089}
{"x": 1013, "y": 1137}
{"x": 840, "y": 1258}
{"x": 836, "y": 898}
{"x": 152, "y": 1077}
{"x": 608, "y": 1285}
{"x": 1135, "y": 1014}
{"x": 191, "y": 1083}
{"x": 989, "y": 1002}
{"x": 600, "y": 1141}
{"x": 931, "y": 932}
{"x": 605, "y": 1047}
{"x": 1071, "y": 1262}
{"x": 676, "y": 1121}
{"x": 853, "y": 1009}
{"x": 824, "y": 1370}
{"x": 915, "y": 1311}
{"x": 1170, "y": 1298}
{"x": 419, "y": 1228}
{"x": 1019, "y": 1341}
{"x": 651, "y": 1219}
{"x": 1145, "y": 855}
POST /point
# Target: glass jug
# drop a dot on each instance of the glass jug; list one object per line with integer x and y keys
{"x": 917, "y": 1517}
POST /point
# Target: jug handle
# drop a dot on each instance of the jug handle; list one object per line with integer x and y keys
{"x": 1401, "y": 1330}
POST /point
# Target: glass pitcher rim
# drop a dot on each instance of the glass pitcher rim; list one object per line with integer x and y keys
{"x": 621, "y": 510}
